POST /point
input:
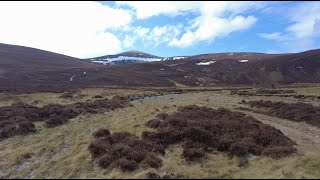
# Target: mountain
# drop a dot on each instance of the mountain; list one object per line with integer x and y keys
{"x": 24, "y": 69}
{"x": 225, "y": 69}
{"x": 127, "y": 57}
{"x": 130, "y": 57}
{"x": 23, "y": 66}
{"x": 25, "y": 58}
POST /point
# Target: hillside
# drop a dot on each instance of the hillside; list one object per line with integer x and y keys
{"x": 27, "y": 69}
{"x": 226, "y": 69}
{"x": 128, "y": 57}
{"x": 20, "y": 57}
{"x": 23, "y": 66}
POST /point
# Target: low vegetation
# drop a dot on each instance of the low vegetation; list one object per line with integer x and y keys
{"x": 202, "y": 129}
{"x": 300, "y": 112}
{"x": 81, "y": 147}
{"x": 275, "y": 91}
{"x": 241, "y": 93}
{"x": 262, "y": 92}
{"x": 124, "y": 151}
{"x": 19, "y": 118}
{"x": 68, "y": 95}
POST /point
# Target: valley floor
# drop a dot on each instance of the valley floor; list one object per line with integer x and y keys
{"x": 62, "y": 152}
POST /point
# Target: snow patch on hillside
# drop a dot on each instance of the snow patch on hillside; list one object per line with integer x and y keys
{"x": 178, "y": 57}
{"x": 102, "y": 62}
{"x": 205, "y": 63}
{"x": 120, "y": 58}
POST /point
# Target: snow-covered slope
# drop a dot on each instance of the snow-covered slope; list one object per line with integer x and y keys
{"x": 174, "y": 58}
{"x": 130, "y": 57}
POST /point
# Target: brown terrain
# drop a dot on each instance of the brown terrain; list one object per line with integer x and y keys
{"x": 26, "y": 69}
{"x": 63, "y": 117}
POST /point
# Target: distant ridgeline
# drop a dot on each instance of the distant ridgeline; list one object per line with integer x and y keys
{"x": 130, "y": 57}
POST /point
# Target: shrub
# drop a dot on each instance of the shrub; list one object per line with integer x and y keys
{"x": 105, "y": 161}
{"x": 25, "y": 128}
{"x": 243, "y": 162}
{"x": 152, "y": 161}
{"x": 5, "y": 123}
{"x": 102, "y": 133}
{"x": 137, "y": 155}
{"x": 272, "y": 91}
{"x": 67, "y": 95}
{"x": 193, "y": 154}
{"x": 159, "y": 149}
{"x": 53, "y": 114}
{"x": 295, "y": 112}
{"x": 126, "y": 165}
{"x": 55, "y": 120}
{"x": 203, "y": 129}
{"x": 125, "y": 151}
{"x": 97, "y": 149}
{"x": 241, "y": 93}
{"x": 97, "y": 97}
{"x": 278, "y": 152}
{"x": 152, "y": 175}
{"x": 7, "y": 131}
{"x": 120, "y": 136}
{"x": 153, "y": 123}
{"x": 27, "y": 155}
{"x": 162, "y": 116}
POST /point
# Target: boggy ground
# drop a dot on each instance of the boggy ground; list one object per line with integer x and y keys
{"x": 62, "y": 152}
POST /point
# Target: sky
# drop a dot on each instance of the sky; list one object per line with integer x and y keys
{"x": 171, "y": 28}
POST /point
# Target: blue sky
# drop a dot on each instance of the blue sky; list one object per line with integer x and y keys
{"x": 89, "y": 29}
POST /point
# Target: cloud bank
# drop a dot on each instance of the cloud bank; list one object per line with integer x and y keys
{"x": 91, "y": 29}
{"x": 78, "y": 29}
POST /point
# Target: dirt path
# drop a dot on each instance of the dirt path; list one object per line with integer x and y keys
{"x": 306, "y": 136}
{"x": 71, "y": 79}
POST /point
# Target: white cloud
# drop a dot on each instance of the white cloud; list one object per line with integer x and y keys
{"x": 271, "y": 36}
{"x": 73, "y": 28}
{"x": 141, "y": 31}
{"x": 154, "y": 36}
{"x": 128, "y": 41}
{"x": 304, "y": 28}
{"x": 137, "y": 33}
{"x": 146, "y": 9}
{"x": 209, "y": 28}
{"x": 166, "y": 33}
{"x": 304, "y": 18}
{"x": 213, "y": 19}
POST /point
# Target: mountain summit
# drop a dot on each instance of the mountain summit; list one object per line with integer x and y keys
{"x": 127, "y": 57}
{"x": 135, "y": 53}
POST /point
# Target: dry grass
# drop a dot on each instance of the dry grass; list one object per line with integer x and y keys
{"x": 62, "y": 152}
{"x": 308, "y": 91}
{"x": 42, "y": 99}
